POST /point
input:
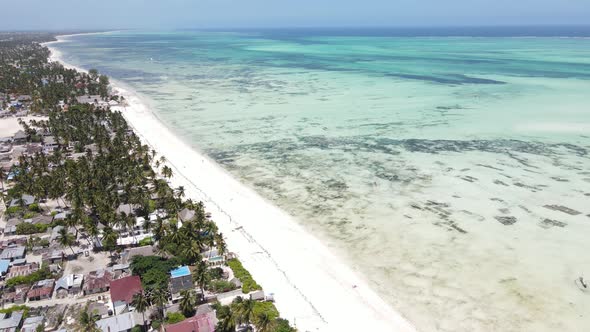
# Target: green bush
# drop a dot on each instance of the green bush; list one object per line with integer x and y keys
{"x": 34, "y": 207}
{"x": 27, "y": 228}
{"x": 282, "y": 325}
{"x": 28, "y": 215}
{"x": 174, "y": 317}
{"x": 265, "y": 307}
{"x": 16, "y": 308}
{"x": 11, "y": 211}
{"x": 248, "y": 284}
{"x": 146, "y": 242}
{"x": 220, "y": 286}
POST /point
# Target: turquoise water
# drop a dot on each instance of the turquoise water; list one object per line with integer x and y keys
{"x": 433, "y": 165}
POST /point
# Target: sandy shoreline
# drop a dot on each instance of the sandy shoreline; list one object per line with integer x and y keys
{"x": 312, "y": 287}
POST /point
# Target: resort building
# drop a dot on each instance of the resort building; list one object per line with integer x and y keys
{"x": 180, "y": 279}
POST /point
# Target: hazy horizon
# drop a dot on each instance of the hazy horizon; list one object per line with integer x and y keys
{"x": 225, "y": 14}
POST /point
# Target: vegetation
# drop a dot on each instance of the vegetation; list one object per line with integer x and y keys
{"x": 174, "y": 317}
{"x": 154, "y": 270}
{"x": 248, "y": 284}
{"x": 41, "y": 274}
{"x": 26, "y": 228}
{"x": 264, "y": 315}
{"x": 87, "y": 320}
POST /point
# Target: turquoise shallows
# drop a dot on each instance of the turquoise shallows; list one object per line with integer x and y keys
{"x": 435, "y": 166}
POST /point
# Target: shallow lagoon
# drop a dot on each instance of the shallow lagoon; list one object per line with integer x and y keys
{"x": 439, "y": 167}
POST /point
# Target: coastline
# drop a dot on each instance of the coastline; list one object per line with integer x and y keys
{"x": 313, "y": 289}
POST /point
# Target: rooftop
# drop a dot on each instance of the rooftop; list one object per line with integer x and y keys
{"x": 13, "y": 252}
{"x": 199, "y": 323}
{"x": 8, "y": 321}
{"x": 123, "y": 289}
{"x": 118, "y": 323}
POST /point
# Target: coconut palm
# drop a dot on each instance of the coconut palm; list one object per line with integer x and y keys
{"x": 245, "y": 311}
{"x": 141, "y": 303}
{"x": 87, "y": 320}
{"x": 188, "y": 302}
{"x": 159, "y": 297}
{"x": 66, "y": 239}
{"x": 263, "y": 322}
{"x": 201, "y": 276}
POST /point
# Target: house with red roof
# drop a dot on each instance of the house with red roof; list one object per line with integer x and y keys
{"x": 41, "y": 290}
{"x": 200, "y": 323}
{"x": 122, "y": 291}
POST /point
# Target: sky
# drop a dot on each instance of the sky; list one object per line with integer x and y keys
{"x": 179, "y": 14}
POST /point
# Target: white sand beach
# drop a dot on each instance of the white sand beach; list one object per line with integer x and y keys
{"x": 313, "y": 289}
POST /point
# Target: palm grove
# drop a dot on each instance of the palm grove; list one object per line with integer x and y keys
{"x": 113, "y": 168}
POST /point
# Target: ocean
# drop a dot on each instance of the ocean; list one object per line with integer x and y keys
{"x": 450, "y": 167}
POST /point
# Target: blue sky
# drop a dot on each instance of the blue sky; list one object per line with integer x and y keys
{"x": 170, "y": 14}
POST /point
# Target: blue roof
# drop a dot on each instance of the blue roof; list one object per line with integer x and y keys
{"x": 180, "y": 272}
{"x": 4, "y": 263}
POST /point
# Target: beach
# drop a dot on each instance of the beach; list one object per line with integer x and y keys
{"x": 312, "y": 287}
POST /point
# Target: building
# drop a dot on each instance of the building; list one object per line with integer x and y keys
{"x": 12, "y": 253}
{"x": 120, "y": 323}
{"x": 180, "y": 279}
{"x": 53, "y": 256}
{"x": 122, "y": 292}
{"x": 32, "y": 323}
{"x": 26, "y": 200}
{"x": 10, "y": 228}
{"x": 97, "y": 281}
{"x": 199, "y": 323}
{"x": 129, "y": 253}
{"x": 19, "y": 138}
{"x": 22, "y": 270}
{"x": 41, "y": 290}
{"x": 69, "y": 284}
{"x": 16, "y": 297}
{"x": 186, "y": 214}
{"x": 4, "y": 264}
{"x": 11, "y": 322}
{"x": 49, "y": 144}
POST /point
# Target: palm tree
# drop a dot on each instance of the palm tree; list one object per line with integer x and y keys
{"x": 227, "y": 322}
{"x": 141, "y": 303}
{"x": 201, "y": 276}
{"x": 245, "y": 311}
{"x": 159, "y": 297}
{"x": 88, "y": 320}
{"x": 66, "y": 239}
{"x": 188, "y": 302}
{"x": 180, "y": 191}
{"x": 2, "y": 175}
{"x": 263, "y": 322}
{"x": 167, "y": 172}
{"x": 221, "y": 245}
